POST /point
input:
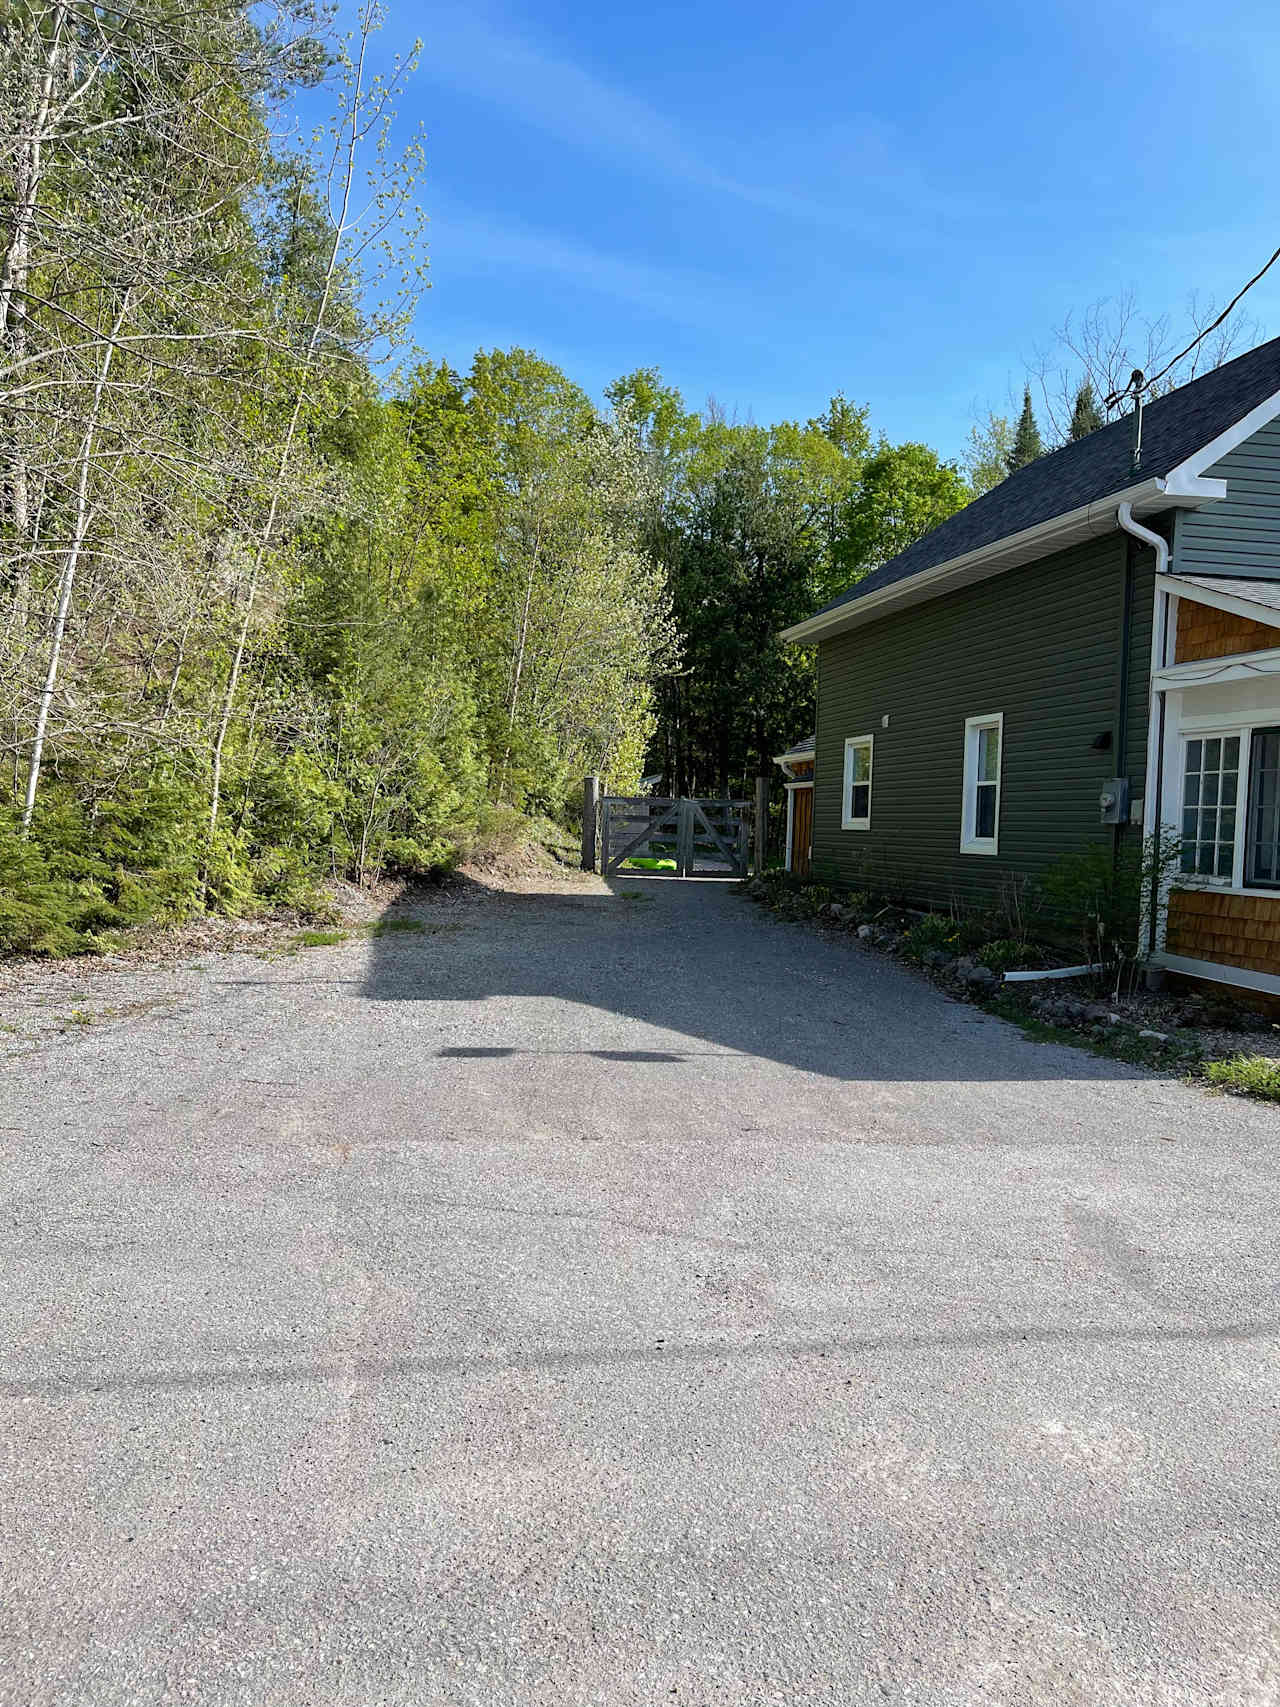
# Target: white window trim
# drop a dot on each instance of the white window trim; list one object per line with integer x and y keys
{"x": 970, "y": 843}
{"x": 1200, "y": 729}
{"x": 869, "y": 742}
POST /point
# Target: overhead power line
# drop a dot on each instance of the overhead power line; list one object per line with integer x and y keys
{"x": 1140, "y": 383}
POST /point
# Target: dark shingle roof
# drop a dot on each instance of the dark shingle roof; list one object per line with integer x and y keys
{"x": 1174, "y": 427}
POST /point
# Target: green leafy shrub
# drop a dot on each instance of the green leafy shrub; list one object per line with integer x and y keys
{"x": 933, "y": 931}
{"x": 1098, "y": 891}
{"x": 1003, "y": 955}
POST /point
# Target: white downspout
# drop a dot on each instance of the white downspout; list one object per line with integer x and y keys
{"x": 1124, "y": 515}
{"x": 1151, "y": 825}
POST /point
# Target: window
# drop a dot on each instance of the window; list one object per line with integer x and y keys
{"x": 856, "y": 809}
{"x": 1210, "y": 779}
{"x": 1262, "y": 833}
{"x": 983, "y": 750}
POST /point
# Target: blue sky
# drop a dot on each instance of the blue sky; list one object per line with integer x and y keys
{"x": 771, "y": 202}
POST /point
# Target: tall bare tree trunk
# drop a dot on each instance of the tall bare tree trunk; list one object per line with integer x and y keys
{"x": 67, "y": 576}
{"x": 14, "y": 271}
{"x": 355, "y": 117}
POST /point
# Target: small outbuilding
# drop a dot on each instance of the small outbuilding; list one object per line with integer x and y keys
{"x": 796, "y": 765}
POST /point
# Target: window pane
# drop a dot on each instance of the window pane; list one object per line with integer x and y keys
{"x": 989, "y": 754}
{"x": 1209, "y": 788}
{"x": 1262, "y": 852}
{"x": 861, "y": 763}
{"x": 860, "y": 803}
{"x": 984, "y": 823}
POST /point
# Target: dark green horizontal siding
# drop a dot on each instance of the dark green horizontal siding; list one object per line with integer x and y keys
{"x": 1043, "y": 645}
{"x": 1240, "y": 534}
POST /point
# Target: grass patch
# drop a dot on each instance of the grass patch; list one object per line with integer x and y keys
{"x": 318, "y": 939}
{"x": 1246, "y": 1075}
{"x": 633, "y": 895}
{"x": 646, "y": 864}
{"x": 389, "y": 927}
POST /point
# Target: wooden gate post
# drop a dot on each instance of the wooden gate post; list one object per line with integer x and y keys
{"x": 762, "y": 822}
{"x": 590, "y": 808}
{"x": 684, "y": 839}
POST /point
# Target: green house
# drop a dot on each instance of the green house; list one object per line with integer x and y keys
{"x": 1090, "y": 652}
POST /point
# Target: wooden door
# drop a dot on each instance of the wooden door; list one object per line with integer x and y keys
{"x": 801, "y": 829}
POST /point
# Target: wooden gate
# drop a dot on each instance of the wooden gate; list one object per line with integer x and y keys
{"x": 684, "y": 838}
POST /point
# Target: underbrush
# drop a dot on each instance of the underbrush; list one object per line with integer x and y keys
{"x": 87, "y": 875}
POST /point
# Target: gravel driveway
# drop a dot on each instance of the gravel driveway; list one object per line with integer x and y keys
{"x": 614, "y": 1295}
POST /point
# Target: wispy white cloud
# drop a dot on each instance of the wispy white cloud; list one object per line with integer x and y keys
{"x": 493, "y": 63}
{"x": 477, "y": 247}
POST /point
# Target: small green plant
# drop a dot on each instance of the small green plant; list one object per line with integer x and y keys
{"x": 318, "y": 939}
{"x": 1100, "y": 890}
{"x": 1002, "y": 955}
{"x": 1246, "y": 1075}
{"x": 393, "y": 927}
{"x": 933, "y": 931}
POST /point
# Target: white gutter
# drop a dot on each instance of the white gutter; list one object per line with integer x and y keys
{"x": 1056, "y": 533}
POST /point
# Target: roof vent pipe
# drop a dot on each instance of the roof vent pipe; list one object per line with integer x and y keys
{"x": 1137, "y": 383}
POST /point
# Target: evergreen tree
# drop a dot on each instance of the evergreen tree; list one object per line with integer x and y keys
{"x": 1027, "y": 443}
{"x": 1086, "y": 417}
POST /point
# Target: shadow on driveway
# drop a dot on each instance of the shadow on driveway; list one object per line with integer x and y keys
{"x": 700, "y": 965}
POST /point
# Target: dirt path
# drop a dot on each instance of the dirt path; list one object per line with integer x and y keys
{"x": 613, "y": 1295}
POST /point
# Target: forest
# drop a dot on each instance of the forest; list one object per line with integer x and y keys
{"x": 285, "y": 598}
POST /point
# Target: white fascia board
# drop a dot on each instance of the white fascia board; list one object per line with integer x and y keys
{"x": 1090, "y": 520}
{"x": 1268, "y": 615}
{"x": 1240, "y": 668}
{"x": 1187, "y": 479}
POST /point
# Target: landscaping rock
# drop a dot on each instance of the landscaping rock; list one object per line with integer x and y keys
{"x": 1097, "y": 1012}
{"x": 866, "y": 932}
{"x": 974, "y": 975}
{"x": 937, "y": 958}
{"x": 1157, "y": 1036}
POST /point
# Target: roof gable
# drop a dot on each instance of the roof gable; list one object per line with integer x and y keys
{"x": 1174, "y": 428}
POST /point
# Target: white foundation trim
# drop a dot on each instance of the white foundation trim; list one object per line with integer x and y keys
{"x": 1238, "y": 975}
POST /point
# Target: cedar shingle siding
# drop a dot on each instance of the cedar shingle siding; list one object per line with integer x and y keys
{"x": 1234, "y": 930}
{"x": 1042, "y": 645}
{"x": 1206, "y": 632}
